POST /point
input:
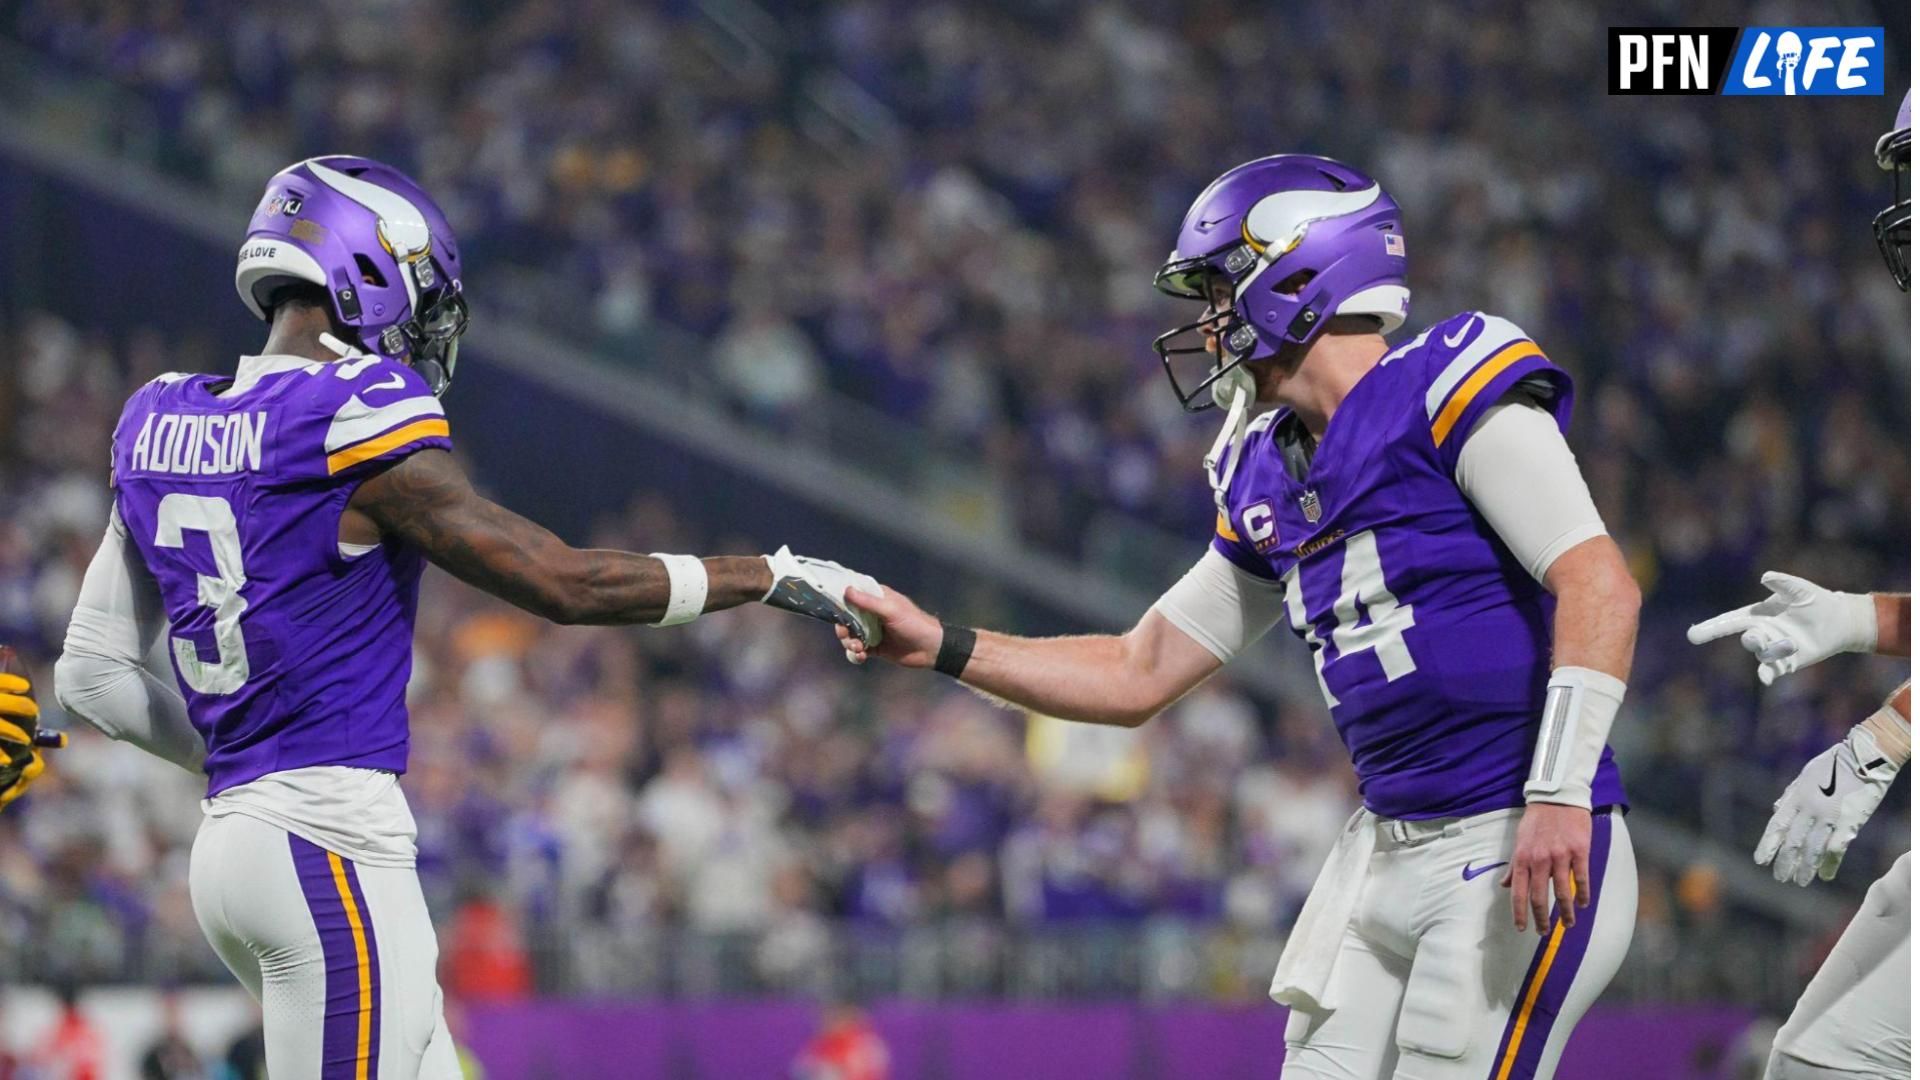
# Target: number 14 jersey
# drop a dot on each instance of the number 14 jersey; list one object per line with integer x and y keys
{"x": 291, "y": 652}
{"x": 1433, "y": 644}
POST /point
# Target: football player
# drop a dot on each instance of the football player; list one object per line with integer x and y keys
{"x": 1855, "y": 1019}
{"x": 273, "y": 525}
{"x": 1415, "y": 513}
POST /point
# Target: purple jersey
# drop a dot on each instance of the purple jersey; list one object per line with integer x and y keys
{"x": 290, "y": 652}
{"x": 1433, "y": 643}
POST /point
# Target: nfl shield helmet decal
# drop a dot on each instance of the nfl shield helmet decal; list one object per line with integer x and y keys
{"x": 1310, "y": 506}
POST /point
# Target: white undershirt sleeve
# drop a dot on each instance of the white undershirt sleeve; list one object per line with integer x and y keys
{"x": 1518, "y": 471}
{"x": 1221, "y": 607}
{"x": 102, "y": 676}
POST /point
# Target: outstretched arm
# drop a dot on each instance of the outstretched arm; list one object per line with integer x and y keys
{"x": 1125, "y": 679}
{"x": 428, "y": 502}
{"x": 1118, "y": 679}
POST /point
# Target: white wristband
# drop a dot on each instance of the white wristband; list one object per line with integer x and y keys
{"x": 1891, "y": 733}
{"x": 687, "y": 589}
{"x": 1581, "y": 704}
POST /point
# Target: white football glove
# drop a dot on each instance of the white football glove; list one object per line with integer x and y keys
{"x": 1798, "y": 626}
{"x": 1822, "y": 810}
{"x": 818, "y": 588}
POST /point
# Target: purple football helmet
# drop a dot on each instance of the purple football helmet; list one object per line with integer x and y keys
{"x": 1299, "y": 239}
{"x": 1891, "y": 226}
{"x": 376, "y": 243}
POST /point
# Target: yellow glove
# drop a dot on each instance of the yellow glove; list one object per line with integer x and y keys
{"x": 21, "y": 739}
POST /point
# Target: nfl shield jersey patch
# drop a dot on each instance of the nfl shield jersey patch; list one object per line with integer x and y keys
{"x": 1310, "y": 506}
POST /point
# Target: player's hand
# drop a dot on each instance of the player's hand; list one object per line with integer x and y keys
{"x": 818, "y": 589}
{"x": 912, "y": 637}
{"x": 1549, "y": 852}
{"x": 1822, "y": 810}
{"x": 21, "y": 739}
{"x": 1798, "y": 626}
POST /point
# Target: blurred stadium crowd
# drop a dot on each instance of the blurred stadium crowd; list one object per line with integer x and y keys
{"x": 958, "y": 228}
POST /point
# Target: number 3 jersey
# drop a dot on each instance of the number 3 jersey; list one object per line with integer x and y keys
{"x": 1433, "y": 644}
{"x": 290, "y": 650}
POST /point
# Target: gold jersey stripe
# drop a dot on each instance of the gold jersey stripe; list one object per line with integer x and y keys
{"x": 1457, "y": 404}
{"x": 373, "y": 448}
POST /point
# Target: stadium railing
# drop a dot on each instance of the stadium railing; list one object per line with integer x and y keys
{"x": 1718, "y": 960}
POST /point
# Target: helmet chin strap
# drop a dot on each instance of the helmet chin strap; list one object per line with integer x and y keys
{"x": 341, "y": 348}
{"x": 1234, "y": 393}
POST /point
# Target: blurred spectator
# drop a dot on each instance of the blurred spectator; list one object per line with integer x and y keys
{"x": 74, "y": 1049}
{"x": 486, "y": 959}
{"x": 767, "y": 365}
{"x": 11, "y": 1067}
{"x": 847, "y": 1047}
{"x": 171, "y": 1057}
{"x": 246, "y": 1057}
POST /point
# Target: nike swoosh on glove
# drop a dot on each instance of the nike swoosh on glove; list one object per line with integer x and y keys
{"x": 1797, "y": 626}
{"x": 1822, "y": 811}
{"x": 817, "y": 588}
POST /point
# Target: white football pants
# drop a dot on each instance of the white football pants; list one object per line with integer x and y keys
{"x": 1434, "y": 983}
{"x": 1855, "y": 1019}
{"x": 340, "y": 956}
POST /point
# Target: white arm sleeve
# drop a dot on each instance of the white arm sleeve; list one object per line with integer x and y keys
{"x": 1221, "y": 607}
{"x": 101, "y": 676}
{"x": 1517, "y": 470}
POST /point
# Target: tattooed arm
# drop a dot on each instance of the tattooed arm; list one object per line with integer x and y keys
{"x": 428, "y": 502}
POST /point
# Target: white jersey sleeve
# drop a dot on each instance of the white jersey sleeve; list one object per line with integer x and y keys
{"x": 1221, "y": 607}
{"x": 1518, "y": 471}
{"x": 102, "y": 675}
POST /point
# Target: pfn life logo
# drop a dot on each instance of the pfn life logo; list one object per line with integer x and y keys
{"x": 1795, "y": 60}
{"x": 1788, "y": 61}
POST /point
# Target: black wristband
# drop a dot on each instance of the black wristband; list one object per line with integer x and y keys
{"x": 956, "y": 648}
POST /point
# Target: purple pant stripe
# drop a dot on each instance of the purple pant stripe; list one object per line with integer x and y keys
{"x": 340, "y": 1025}
{"x": 1566, "y": 966}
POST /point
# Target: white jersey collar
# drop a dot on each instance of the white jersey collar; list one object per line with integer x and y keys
{"x": 254, "y": 368}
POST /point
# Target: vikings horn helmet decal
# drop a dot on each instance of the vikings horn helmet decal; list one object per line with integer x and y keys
{"x": 1297, "y": 240}
{"x": 1281, "y": 219}
{"x": 377, "y": 244}
{"x": 1891, "y": 226}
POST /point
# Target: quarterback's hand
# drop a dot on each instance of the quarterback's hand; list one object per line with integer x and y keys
{"x": 1822, "y": 810}
{"x": 1798, "y": 626}
{"x": 1551, "y": 848}
{"x": 912, "y": 636}
{"x": 21, "y": 739}
{"x": 818, "y": 588}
